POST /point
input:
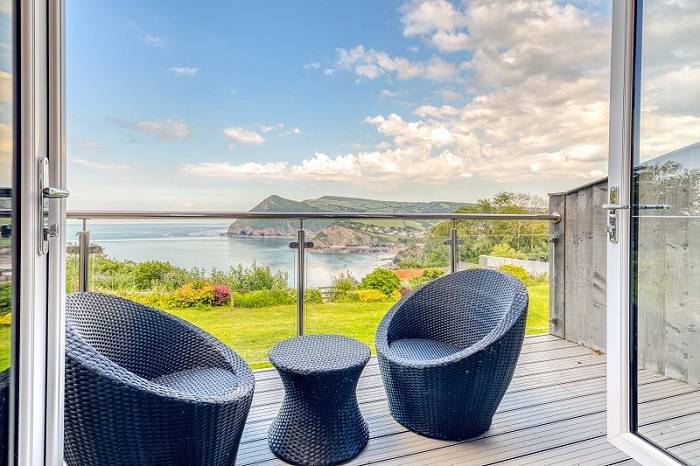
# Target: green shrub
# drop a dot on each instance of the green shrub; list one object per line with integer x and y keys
{"x": 506, "y": 250}
{"x": 192, "y": 294}
{"x": 313, "y": 296}
{"x": 426, "y": 276}
{"x": 381, "y": 279}
{"x": 264, "y": 298}
{"x": 343, "y": 286}
{"x": 518, "y": 272}
{"x": 5, "y": 297}
{"x": 344, "y": 282}
{"x": 149, "y": 274}
{"x": 346, "y": 297}
{"x": 253, "y": 278}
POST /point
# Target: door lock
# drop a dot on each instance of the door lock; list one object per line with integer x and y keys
{"x": 612, "y": 207}
{"x": 46, "y": 229}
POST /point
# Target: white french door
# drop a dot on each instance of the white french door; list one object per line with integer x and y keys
{"x": 32, "y": 229}
{"x": 654, "y": 232}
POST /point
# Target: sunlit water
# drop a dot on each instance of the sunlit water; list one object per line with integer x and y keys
{"x": 201, "y": 245}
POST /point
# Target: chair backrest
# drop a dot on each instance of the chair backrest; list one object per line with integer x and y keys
{"x": 141, "y": 339}
{"x": 460, "y": 308}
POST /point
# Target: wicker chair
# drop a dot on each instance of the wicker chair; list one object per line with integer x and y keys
{"x": 448, "y": 351}
{"x": 145, "y": 387}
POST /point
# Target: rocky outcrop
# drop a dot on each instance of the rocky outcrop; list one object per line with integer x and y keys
{"x": 339, "y": 238}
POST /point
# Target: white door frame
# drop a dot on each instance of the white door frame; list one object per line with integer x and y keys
{"x": 55, "y": 367}
{"x": 619, "y": 174}
{"x": 39, "y": 364}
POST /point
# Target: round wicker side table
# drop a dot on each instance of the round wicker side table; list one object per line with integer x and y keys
{"x": 319, "y": 422}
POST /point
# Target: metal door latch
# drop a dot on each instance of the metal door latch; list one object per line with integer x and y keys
{"x": 612, "y": 207}
{"x": 46, "y": 229}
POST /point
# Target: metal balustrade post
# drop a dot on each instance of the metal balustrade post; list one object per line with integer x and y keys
{"x": 84, "y": 258}
{"x": 454, "y": 248}
{"x": 301, "y": 269}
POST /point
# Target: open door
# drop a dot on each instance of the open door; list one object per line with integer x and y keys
{"x": 654, "y": 232}
{"x": 31, "y": 226}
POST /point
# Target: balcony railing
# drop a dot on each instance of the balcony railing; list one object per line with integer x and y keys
{"x": 301, "y": 244}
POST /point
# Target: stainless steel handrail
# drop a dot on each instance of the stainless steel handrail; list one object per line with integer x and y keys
{"x": 453, "y": 242}
{"x": 140, "y": 215}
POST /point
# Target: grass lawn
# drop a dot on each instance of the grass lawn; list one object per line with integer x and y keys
{"x": 252, "y": 332}
{"x": 4, "y": 347}
{"x": 538, "y": 312}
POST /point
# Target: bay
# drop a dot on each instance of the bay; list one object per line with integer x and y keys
{"x": 190, "y": 244}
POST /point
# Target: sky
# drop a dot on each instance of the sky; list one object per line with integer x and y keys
{"x": 175, "y": 106}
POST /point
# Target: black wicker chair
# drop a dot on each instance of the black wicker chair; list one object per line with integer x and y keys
{"x": 145, "y": 387}
{"x": 448, "y": 351}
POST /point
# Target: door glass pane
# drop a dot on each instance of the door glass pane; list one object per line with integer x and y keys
{"x": 666, "y": 229}
{"x": 6, "y": 157}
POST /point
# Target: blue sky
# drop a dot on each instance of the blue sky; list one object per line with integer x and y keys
{"x": 171, "y": 105}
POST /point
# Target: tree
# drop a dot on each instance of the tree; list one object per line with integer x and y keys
{"x": 480, "y": 236}
{"x": 381, "y": 279}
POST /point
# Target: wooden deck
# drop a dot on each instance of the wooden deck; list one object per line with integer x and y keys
{"x": 553, "y": 413}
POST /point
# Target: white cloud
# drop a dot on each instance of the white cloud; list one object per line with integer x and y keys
{"x": 364, "y": 167}
{"x": 388, "y": 93}
{"x": 88, "y": 145}
{"x": 270, "y": 128}
{"x": 243, "y": 136}
{"x": 312, "y": 66}
{"x": 372, "y": 64}
{"x": 184, "y": 70}
{"x": 154, "y": 40}
{"x": 449, "y": 95}
{"x": 250, "y": 169}
{"x": 329, "y": 72}
{"x": 423, "y": 17}
{"x": 526, "y": 108}
{"x": 164, "y": 128}
{"x": 99, "y": 165}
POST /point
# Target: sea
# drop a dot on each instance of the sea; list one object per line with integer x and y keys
{"x": 203, "y": 245}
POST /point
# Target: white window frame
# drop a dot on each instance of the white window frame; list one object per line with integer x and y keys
{"x": 618, "y": 267}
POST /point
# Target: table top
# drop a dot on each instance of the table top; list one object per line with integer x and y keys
{"x": 319, "y": 353}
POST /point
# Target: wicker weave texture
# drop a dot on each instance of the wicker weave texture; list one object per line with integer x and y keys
{"x": 143, "y": 387}
{"x": 319, "y": 422}
{"x": 447, "y": 352}
{"x": 4, "y": 415}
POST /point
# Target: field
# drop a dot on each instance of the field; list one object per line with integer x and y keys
{"x": 252, "y": 332}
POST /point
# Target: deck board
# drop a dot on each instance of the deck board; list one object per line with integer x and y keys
{"x": 553, "y": 413}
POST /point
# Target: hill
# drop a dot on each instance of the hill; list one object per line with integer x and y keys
{"x": 287, "y": 228}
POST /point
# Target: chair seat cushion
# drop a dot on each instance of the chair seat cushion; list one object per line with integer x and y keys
{"x": 419, "y": 349}
{"x": 210, "y": 381}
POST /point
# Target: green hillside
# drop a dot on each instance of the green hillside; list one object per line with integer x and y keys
{"x": 274, "y": 203}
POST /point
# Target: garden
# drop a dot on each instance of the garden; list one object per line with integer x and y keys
{"x": 251, "y": 308}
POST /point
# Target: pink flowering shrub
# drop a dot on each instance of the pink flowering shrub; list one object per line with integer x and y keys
{"x": 221, "y": 294}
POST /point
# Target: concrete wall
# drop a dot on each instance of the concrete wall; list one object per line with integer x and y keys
{"x": 578, "y": 265}
{"x": 532, "y": 267}
{"x": 668, "y": 278}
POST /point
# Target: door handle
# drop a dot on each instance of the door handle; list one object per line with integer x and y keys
{"x": 653, "y": 207}
{"x": 46, "y": 228}
{"x": 54, "y": 193}
{"x": 614, "y": 207}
